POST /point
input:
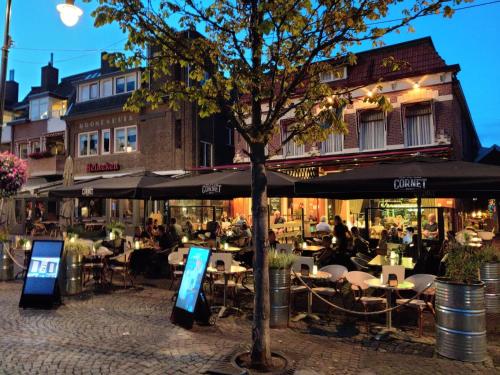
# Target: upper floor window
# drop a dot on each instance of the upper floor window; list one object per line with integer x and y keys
{"x": 206, "y": 154}
{"x": 88, "y": 144}
{"x": 23, "y": 150}
{"x": 418, "y": 125}
{"x": 107, "y": 87}
{"x": 126, "y": 139}
{"x": 35, "y": 146}
{"x": 335, "y": 74}
{"x": 291, "y": 148}
{"x": 130, "y": 83}
{"x": 39, "y": 109}
{"x": 106, "y": 139}
{"x": 94, "y": 90}
{"x": 371, "y": 130}
{"x": 120, "y": 85}
{"x": 334, "y": 143}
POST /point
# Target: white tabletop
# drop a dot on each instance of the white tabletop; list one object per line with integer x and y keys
{"x": 376, "y": 283}
{"x": 318, "y": 275}
{"x": 234, "y": 269}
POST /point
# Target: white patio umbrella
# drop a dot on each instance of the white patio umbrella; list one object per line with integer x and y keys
{"x": 8, "y": 214}
{"x": 67, "y": 208}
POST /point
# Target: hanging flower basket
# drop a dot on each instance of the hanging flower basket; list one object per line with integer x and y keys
{"x": 13, "y": 174}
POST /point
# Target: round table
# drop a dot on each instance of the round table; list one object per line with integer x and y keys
{"x": 389, "y": 290}
{"x": 226, "y": 273}
{"x": 229, "y": 249}
{"x": 319, "y": 275}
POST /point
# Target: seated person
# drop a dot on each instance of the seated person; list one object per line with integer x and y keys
{"x": 278, "y": 219}
{"x": 408, "y": 238}
{"x": 272, "y": 239}
{"x": 431, "y": 228}
{"x": 359, "y": 244}
{"x": 174, "y": 227}
{"x": 323, "y": 226}
{"x": 165, "y": 240}
{"x": 245, "y": 231}
{"x": 140, "y": 234}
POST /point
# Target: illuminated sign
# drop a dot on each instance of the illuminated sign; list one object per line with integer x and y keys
{"x": 410, "y": 183}
{"x": 102, "y": 167}
{"x": 87, "y": 191}
{"x": 211, "y": 189}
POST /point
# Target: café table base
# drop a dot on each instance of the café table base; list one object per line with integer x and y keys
{"x": 224, "y": 310}
{"x": 305, "y": 315}
{"x": 382, "y": 333}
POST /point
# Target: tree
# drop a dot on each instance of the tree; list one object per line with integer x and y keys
{"x": 256, "y": 61}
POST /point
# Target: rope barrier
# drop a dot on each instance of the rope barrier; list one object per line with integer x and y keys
{"x": 359, "y": 312}
{"x": 13, "y": 258}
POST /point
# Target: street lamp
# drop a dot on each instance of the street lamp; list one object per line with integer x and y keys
{"x": 69, "y": 13}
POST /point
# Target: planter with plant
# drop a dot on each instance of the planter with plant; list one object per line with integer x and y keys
{"x": 72, "y": 272}
{"x": 6, "y": 263}
{"x": 460, "y": 309}
{"x": 116, "y": 231}
{"x": 490, "y": 275}
{"x": 280, "y": 265}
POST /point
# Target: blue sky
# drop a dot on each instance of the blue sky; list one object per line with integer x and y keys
{"x": 471, "y": 38}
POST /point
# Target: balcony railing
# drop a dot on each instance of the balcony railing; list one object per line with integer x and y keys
{"x": 47, "y": 166}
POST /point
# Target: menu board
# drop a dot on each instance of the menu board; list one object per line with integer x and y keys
{"x": 40, "y": 287}
{"x": 190, "y": 286}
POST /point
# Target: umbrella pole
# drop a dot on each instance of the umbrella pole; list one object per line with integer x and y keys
{"x": 419, "y": 226}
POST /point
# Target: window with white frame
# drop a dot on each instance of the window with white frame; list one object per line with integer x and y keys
{"x": 88, "y": 144}
{"x": 106, "y": 141}
{"x": 84, "y": 93}
{"x": 107, "y": 87}
{"x": 372, "y": 130}
{"x": 334, "y": 74}
{"x": 94, "y": 90}
{"x": 291, "y": 148}
{"x": 334, "y": 143}
{"x": 39, "y": 108}
{"x": 35, "y": 146}
{"x": 206, "y": 154}
{"x": 130, "y": 82}
{"x": 23, "y": 150}
{"x": 120, "y": 85}
{"x": 126, "y": 139}
{"x": 418, "y": 124}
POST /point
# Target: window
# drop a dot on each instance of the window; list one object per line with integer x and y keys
{"x": 230, "y": 139}
{"x": 291, "y": 148}
{"x": 333, "y": 74}
{"x": 334, "y": 143}
{"x": 205, "y": 154}
{"x": 23, "y": 150}
{"x": 106, "y": 139}
{"x": 94, "y": 91}
{"x": 126, "y": 139}
{"x": 130, "y": 83}
{"x": 84, "y": 93}
{"x": 178, "y": 133}
{"x": 418, "y": 125}
{"x": 88, "y": 144}
{"x": 35, "y": 146}
{"x": 39, "y": 108}
{"x": 371, "y": 131}
{"x": 107, "y": 87}
{"x": 120, "y": 85}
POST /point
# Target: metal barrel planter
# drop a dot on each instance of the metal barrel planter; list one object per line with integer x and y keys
{"x": 6, "y": 263}
{"x": 279, "y": 288}
{"x": 490, "y": 275}
{"x": 74, "y": 274}
{"x": 460, "y": 320}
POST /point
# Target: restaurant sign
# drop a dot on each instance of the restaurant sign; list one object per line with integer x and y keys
{"x": 211, "y": 189}
{"x": 102, "y": 167}
{"x": 410, "y": 183}
{"x": 87, "y": 191}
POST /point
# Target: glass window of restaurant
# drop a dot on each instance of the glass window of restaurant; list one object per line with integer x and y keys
{"x": 88, "y": 144}
{"x": 126, "y": 139}
{"x": 199, "y": 212}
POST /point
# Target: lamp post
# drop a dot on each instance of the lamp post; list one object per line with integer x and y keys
{"x": 69, "y": 13}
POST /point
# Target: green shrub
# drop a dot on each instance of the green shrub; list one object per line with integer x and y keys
{"x": 279, "y": 260}
{"x": 77, "y": 248}
{"x": 463, "y": 262}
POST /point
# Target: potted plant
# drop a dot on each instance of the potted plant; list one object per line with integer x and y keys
{"x": 460, "y": 314}
{"x": 490, "y": 275}
{"x": 6, "y": 263}
{"x": 116, "y": 229}
{"x": 74, "y": 252}
{"x": 280, "y": 265}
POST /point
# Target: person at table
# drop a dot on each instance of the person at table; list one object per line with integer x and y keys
{"x": 273, "y": 242}
{"x": 408, "y": 238}
{"x": 165, "y": 239}
{"x": 340, "y": 232}
{"x": 150, "y": 228}
{"x": 241, "y": 220}
{"x": 382, "y": 243}
{"x": 323, "y": 226}
{"x": 245, "y": 231}
{"x": 359, "y": 244}
{"x": 140, "y": 234}
{"x": 176, "y": 228}
{"x": 278, "y": 219}
{"x": 431, "y": 228}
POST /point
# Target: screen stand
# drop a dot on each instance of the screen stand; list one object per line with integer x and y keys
{"x": 202, "y": 310}
{"x": 42, "y": 302}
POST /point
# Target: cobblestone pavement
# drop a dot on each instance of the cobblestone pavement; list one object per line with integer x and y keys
{"x": 129, "y": 332}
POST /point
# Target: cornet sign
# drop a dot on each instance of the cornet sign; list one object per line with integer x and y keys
{"x": 87, "y": 191}
{"x": 210, "y": 189}
{"x": 409, "y": 183}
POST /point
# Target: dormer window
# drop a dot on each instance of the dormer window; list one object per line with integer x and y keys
{"x": 39, "y": 109}
{"x": 120, "y": 85}
{"x": 108, "y": 87}
{"x": 333, "y": 74}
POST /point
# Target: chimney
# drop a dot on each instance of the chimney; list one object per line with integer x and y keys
{"x": 11, "y": 89}
{"x": 50, "y": 75}
{"x": 105, "y": 67}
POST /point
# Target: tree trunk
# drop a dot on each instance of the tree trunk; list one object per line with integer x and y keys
{"x": 261, "y": 340}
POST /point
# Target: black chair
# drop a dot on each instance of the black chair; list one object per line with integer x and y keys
{"x": 360, "y": 264}
{"x": 363, "y": 256}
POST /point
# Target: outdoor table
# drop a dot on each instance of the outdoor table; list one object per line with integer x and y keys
{"x": 235, "y": 270}
{"x": 389, "y": 290}
{"x": 381, "y": 260}
{"x": 229, "y": 249}
{"x": 311, "y": 248}
{"x": 320, "y": 275}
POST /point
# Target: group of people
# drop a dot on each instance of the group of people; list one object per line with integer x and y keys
{"x": 159, "y": 236}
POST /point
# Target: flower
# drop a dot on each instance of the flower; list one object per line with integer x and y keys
{"x": 13, "y": 174}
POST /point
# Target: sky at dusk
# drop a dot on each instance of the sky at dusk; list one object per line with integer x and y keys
{"x": 471, "y": 38}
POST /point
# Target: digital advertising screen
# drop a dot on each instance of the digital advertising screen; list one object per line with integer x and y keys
{"x": 192, "y": 278}
{"x": 43, "y": 267}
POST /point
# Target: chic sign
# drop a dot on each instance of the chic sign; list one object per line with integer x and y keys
{"x": 410, "y": 183}
{"x": 211, "y": 189}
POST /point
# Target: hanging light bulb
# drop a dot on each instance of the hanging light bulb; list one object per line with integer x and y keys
{"x": 69, "y": 13}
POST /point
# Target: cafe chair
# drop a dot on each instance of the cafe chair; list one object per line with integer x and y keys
{"x": 359, "y": 288}
{"x": 338, "y": 273}
{"x": 121, "y": 264}
{"x": 365, "y": 257}
{"x": 360, "y": 264}
{"x": 174, "y": 260}
{"x": 424, "y": 302}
